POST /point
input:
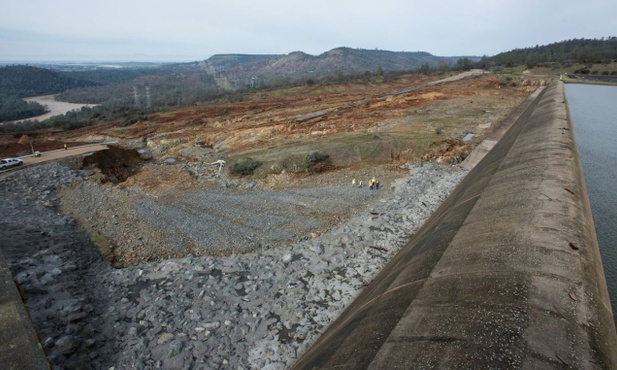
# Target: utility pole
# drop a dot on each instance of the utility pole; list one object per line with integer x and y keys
{"x": 148, "y": 96}
{"x": 136, "y": 96}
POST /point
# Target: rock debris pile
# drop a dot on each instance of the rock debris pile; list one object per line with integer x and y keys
{"x": 258, "y": 310}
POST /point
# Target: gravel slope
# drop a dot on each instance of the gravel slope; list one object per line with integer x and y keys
{"x": 256, "y": 310}
{"x": 214, "y": 220}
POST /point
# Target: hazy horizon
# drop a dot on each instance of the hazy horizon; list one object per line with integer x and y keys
{"x": 172, "y": 60}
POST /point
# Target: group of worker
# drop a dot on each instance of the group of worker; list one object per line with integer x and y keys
{"x": 372, "y": 184}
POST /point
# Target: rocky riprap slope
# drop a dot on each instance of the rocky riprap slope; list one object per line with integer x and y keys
{"x": 219, "y": 219}
{"x": 258, "y": 310}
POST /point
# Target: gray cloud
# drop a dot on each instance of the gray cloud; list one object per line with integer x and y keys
{"x": 192, "y": 30}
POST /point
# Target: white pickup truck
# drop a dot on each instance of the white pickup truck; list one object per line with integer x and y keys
{"x": 9, "y": 162}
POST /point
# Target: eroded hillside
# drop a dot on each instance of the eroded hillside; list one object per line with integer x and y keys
{"x": 400, "y": 120}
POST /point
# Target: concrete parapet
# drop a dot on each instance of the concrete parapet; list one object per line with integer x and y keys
{"x": 20, "y": 348}
{"x": 505, "y": 274}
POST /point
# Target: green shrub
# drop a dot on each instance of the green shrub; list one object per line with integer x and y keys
{"x": 246, "y": 166}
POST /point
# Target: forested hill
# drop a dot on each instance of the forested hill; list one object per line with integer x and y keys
{"x": 570, "y": 51}
{"x": 22, "y": 81}
{"x": 298, "y": 65}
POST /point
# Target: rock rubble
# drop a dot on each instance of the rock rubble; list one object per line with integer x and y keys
{"x": 258, "y": 310}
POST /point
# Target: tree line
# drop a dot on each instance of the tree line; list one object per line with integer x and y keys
{"x": 14, "y": 108}
{"x": 23, "y": 81}
{"x": 86, "y": 116}
{"x": 586, "y": 51}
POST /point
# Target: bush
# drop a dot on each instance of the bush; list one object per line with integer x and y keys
{"x": 315, "y": 157}
{"x": 246, "y": 166}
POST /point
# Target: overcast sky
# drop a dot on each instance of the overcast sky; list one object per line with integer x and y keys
{"x": 189, "y": 30}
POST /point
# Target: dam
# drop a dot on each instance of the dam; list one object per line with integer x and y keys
{"x": 505, "y": 274}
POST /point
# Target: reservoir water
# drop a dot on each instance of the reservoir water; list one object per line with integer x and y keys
{"x": 594, "y": 115}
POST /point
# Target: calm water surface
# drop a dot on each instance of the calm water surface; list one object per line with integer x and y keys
{"x": 594, "y": 116}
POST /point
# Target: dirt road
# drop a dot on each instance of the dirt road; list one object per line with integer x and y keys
{"x": 54, "y": 154}
{"x": 460, "y": 76}
{"x": 62, "y": 153}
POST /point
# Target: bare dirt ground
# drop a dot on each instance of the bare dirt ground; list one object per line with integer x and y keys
{"x": 353, "y": 122}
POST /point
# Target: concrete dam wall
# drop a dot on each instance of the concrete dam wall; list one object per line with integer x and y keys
{"x": 505, "y": 274}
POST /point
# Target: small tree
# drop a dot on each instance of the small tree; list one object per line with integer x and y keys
{"x": 463, "y": 64}
{"x": 425, "y": 69}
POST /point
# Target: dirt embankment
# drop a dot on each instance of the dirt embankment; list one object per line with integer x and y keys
{"x": 116, "y": 164}
{"x": 16, "y": 145}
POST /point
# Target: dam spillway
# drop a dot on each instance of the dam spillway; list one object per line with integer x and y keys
{"x": 505, "y": 274}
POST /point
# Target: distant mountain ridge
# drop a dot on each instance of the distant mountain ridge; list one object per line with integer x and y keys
{"x": 299, "y": 65}
{"x": 220, "y": 62}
